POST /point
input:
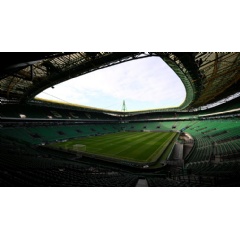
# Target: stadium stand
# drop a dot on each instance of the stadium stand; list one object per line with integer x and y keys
{"x": 209, "y": 135}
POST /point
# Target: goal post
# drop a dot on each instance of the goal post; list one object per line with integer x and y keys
{"x": 79, "y": 147}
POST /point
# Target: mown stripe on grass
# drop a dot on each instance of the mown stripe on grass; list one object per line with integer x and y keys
{"x": 132, "y": 146}
{"x": 143, "y": 148}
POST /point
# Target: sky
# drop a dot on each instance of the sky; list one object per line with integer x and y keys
{"x": 147, "y": 83}
{"x": 108, "y": 26}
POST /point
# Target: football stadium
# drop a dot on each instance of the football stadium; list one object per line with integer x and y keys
{"x": 46, "y": 143}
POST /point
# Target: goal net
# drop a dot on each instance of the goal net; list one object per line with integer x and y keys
{"x": 79, "y": 147}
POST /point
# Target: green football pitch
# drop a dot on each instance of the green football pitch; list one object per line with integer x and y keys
{"x": 141, "y": 147}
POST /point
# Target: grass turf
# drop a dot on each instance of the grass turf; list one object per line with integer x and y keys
{"x": 142, "y": 147}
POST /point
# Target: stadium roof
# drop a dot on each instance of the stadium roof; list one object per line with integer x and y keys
{"x": 207, "y": 76}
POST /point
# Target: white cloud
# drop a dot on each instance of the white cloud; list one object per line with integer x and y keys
{"x": 147, "y": 80}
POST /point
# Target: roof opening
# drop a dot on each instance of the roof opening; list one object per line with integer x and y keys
{"x": 143, "y": 84}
